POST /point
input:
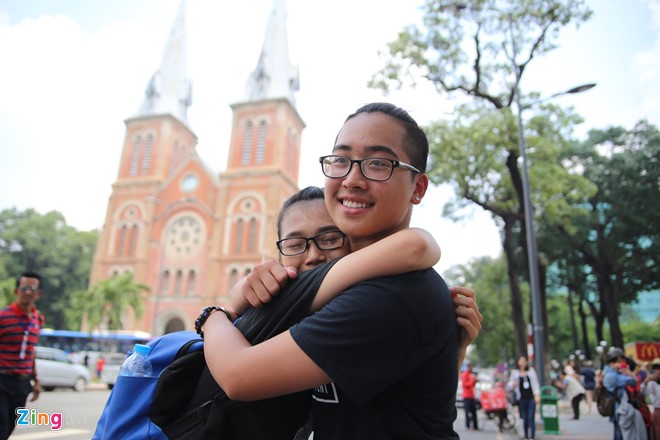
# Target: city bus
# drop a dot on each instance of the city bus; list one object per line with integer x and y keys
{"x": 116, "y": 341}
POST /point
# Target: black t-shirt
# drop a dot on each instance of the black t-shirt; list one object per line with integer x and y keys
{"x": 278, "y": 418}
{"x": 390, "y": 346}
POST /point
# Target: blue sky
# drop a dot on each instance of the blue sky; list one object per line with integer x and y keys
{"x": 73, "y": 71}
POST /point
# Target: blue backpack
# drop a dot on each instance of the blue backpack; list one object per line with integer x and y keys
{"x": 184, "y": 402}
{"x": 135, "y": 410}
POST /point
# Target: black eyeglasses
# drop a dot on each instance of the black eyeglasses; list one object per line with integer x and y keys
{"x": 26, "y": 288}
{"x": 325, "y": 241}
{"x": 373, "y": 168}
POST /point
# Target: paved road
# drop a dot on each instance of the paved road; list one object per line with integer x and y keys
{"x": 80, "y": 412}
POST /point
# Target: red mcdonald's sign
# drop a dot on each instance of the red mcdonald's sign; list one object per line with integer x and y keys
{"x": 647, "y": 351}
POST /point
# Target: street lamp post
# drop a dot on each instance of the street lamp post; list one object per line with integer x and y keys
{"x": 537, "y": 312}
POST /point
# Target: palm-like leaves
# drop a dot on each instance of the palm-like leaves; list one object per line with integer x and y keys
{"x": 107, "y": 301}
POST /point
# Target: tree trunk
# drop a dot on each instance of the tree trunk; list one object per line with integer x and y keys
{"x": 586, "y": 346}
{"x": 520, "y": 329}
{"x": 571, "y": 315}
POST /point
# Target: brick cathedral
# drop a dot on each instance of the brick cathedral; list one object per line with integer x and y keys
{"x": 183, "y": 231}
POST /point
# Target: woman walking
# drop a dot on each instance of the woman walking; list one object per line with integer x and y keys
{"x": 525, "y": 383}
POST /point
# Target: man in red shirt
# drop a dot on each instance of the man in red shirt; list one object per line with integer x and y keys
{"x": 469, "y": 381}
{"x": 19, "y": 334}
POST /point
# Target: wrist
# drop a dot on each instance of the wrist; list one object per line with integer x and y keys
{"x": 203, "y": 317}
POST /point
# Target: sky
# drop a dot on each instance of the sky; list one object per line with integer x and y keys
{"x": 72, "y": 72}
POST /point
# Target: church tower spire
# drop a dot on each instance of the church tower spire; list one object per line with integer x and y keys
{"x": 275, "y": 76}
{"x": 169, "y": 91}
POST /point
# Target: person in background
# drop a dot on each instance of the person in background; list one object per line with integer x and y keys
{"x": 589, "y": 382}
{"x": 20, "y": 324}
{"x": 651, "y": 390}
{"x": 616, "y": 377}
{"x": 100, "y": 363}
{"x": 469, "y": 383}
{"x": 525, "y": 383}
{"x": 573, "y": 390}
{"x": 569, "y": 369}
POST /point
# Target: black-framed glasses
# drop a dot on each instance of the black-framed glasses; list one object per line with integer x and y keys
{"x": 325, "y": 241}
{"x": 372, "y": 168}
{"x": 26, "y": 288}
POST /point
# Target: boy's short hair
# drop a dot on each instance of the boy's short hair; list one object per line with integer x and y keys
{"x": 415, "y": 144}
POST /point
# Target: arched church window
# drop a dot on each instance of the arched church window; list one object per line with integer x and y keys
{"x": 290, "y": 156}
{"x": 261, "y": 142}
{"x": 121, "y": 243}
{"x": 174, "y": 160}
{"x": 191, "y": 282}
{"x": 165, "y": 283}
{"x": 146, "y": 158}
{"x": 239, "y": 236}
{"x": 135, "y": 156}
{"x": 247, "y": 144}
{"x": 178, "y": 281}
{"x": 233, "y": 278}
{"x": 133, "y": 241}
{"x": 252, "y": 235}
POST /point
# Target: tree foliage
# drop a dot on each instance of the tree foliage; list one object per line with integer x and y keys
{"x": 488, "y": 278}
{"x": 44, "y": 243}
{"x": 614, "y": 232}
{"x": 479, "y": 50}
{"x": 107, "y": 301}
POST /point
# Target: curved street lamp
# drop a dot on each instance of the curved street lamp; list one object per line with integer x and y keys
{"x": 529, "y": 227}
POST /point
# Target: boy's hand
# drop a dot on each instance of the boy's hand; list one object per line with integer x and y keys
{"x": 265, "y": 281}
{"x": 467, "y": 315}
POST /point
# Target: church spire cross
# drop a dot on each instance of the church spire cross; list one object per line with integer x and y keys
{"x": 169, "y": 91}
{"x": 274, "y": 76}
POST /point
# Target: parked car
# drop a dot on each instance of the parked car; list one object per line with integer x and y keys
{"x": 111, "y": 368}
{"x": 55, "y": 369}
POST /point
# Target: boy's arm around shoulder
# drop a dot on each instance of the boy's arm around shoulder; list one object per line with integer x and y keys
{"x": 271, "y": 368}
{"x": 404, "y": 251}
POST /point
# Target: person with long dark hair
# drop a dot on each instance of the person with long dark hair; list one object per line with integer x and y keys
{"x": 525, "y": 383}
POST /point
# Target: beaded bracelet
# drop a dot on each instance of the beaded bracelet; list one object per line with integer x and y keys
{"x": 206, "y": 312}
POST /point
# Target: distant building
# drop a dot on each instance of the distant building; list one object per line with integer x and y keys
{"x": 186, "y": 233}
{"x": 647, "y": 306}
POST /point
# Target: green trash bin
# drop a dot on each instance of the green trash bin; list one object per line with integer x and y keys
{"x": 549, "y": 410}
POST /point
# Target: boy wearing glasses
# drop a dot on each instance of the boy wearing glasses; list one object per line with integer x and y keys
{"x": 382, "y": 356}
{"x": 19, "y": 334}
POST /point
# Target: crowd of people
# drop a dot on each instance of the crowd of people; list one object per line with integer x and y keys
{"x": 633, "y": 386}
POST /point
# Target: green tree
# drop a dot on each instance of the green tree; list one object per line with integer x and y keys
{"x": 58, "y": 252}
{"x": 479, "y": 50}
{"x": 472, "y": 154}
{"x": 617, "y": 236}
{"x": 107, "y": 301}
{"x": 488, "y": 278}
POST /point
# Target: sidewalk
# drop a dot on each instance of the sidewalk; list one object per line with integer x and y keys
{"x": 591, "y": 426}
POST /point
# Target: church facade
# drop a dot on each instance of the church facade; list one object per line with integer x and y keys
{"x": 181, "y": 230}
